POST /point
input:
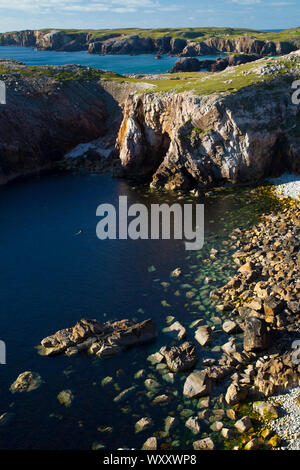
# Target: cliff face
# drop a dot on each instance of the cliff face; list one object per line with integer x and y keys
{"x": 173, "y": 139}
{"x": 186, "y": 48}
{"x": 243, "y": 44}
{"x": 42, "y": 120}
{"x": 182, "y": 140}
{"x": 134, "y": 44}
{"x": 55, "y": 40}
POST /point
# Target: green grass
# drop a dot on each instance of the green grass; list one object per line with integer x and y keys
{"x": 59, "y": 75}
{"x": 200, "y": 83}
{"x": 204, "y": 83}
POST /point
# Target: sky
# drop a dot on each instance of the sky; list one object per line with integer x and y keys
{"x": 99, "y": 14}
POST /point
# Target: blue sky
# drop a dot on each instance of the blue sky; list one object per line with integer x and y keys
{"x": 97, "y": 14}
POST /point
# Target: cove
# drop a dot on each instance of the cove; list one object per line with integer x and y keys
{"x": 52, "y": 278}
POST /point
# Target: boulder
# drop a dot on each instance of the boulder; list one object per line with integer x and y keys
{"x": 136, "y": 334}
{"x": 244, "y": 424}
{"x": 227, "y": 433}
{"x": 143, "y": 424}
{"x": 177, "y": 329}
{"x": 265, "y": 410}
{"x": 256, "y": 335}
{"x": 26, "y": 382}
{"x": 197, "y": 384}
{"x": 203, "y": 335}
{"x": 252, "y": 445}
{"x": 193, "y": 423}
{"x": 229, "y": 347}
{"x": 235, "y": 394}
{"x": 150, "y": 444}
{"x": 229, "y": 327}
{"x": 217, "y": 426}
{"x": 204, "y": 444}
{"x": 272, "y": 307}
{"x": 180, "y": 358}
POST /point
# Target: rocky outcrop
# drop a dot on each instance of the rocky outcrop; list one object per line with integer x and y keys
{"x": 102, "y": 339}
{"x": 26, "y": 382}
{"x": 180, "y": 140}
{"x": 191, "y": 64}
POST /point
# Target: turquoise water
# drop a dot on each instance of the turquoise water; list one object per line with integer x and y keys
{"x": 144, "y": 63}
{"x": 50, "y": 278}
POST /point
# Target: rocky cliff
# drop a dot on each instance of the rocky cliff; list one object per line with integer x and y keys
{"x": 124, "y": 43}
{"x": 43, "y": 119}
{"x": 235, "y": 126}
{"x": 51, "y": 110}
{"x": 180, "y": 140}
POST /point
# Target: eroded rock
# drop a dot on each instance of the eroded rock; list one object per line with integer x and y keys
{"x": 26, "y": 382}
{"x": 102, "y": 339}
{"x": 180, "y": 358}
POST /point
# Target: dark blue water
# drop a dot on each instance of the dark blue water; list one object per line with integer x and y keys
{"x": 50, "y": 278}
{"x": 144, "y": 63}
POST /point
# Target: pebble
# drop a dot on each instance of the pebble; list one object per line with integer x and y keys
{"x": 288, "y": 425}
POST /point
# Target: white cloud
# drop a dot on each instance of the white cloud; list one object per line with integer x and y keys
{"x": 281, "y": 4}
{"x": 247, "y": 2}
{"x": 75, "y": 6}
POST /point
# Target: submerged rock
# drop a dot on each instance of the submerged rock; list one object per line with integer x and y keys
{"x": 204, "y": 444}
{"x": 176, "y": 272}
{"x": 65, "y": 397}
{"x": 143, "y": 424}
{"x": 6, "y": 418}
{"x": 177, "y": 330}
{"x": 26, "y": 382}
{"x": 253, "y": 444}
{"x": 170, "y": 422}
{"x": 150, "y": 444}
{"x": 124, "y": 394}
{"x": 193, "y": 423}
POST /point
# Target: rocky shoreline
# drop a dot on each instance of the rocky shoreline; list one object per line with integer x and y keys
{"x": 111, "y": 42}
{"x": 258, "y": 307}
{"x": 236, "y": 394}
{"x": 261, "y": 305}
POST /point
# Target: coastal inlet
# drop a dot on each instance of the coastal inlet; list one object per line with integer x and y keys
{"x": 82, "y": 401}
